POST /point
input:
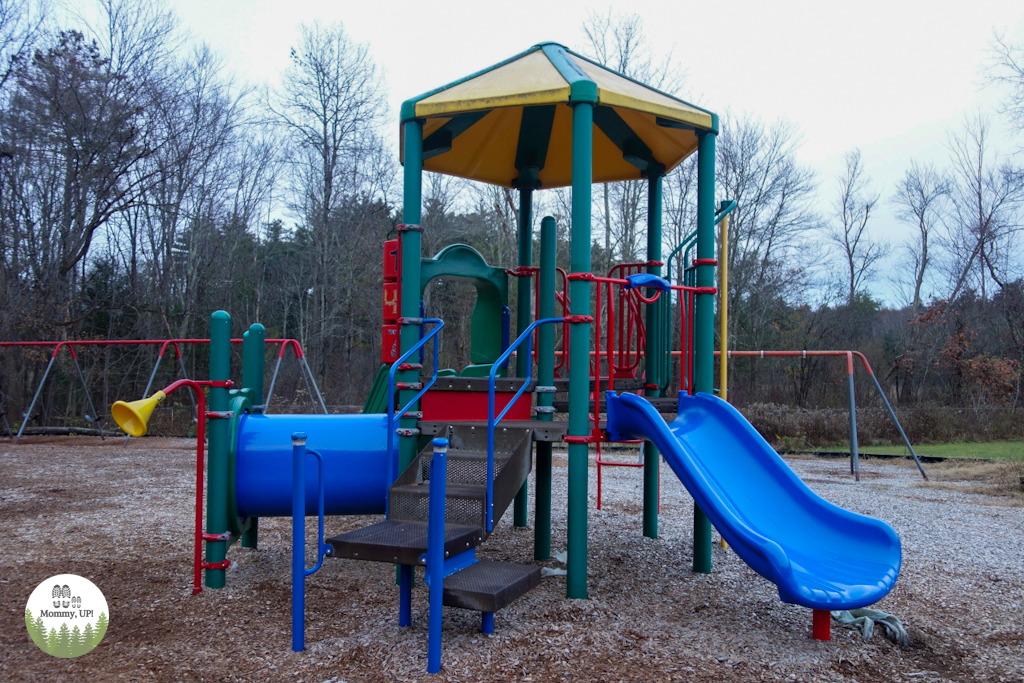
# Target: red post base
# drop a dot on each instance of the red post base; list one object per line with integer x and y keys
{"x": 822, "y": 628}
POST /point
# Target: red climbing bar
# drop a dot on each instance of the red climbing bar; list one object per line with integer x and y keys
{"x": 197, "y": 388}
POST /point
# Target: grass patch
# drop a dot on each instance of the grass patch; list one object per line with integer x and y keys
{"x": 1009, "y": 451}
{"x": 1001, "y": 480}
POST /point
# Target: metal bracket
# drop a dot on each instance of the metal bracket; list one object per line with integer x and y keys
{"x": 545, "y": 409}
{"x": 410, "y": 321}
{"x": 454, "y": 564}
{"x": 411, "y": 366}
{"x": 589, "y": 319}
{"x": 544, "y": 389}
{"x": 415, "y": 386}
{"x": 522, "y": 271}
{"x": 216, "y": 565}
{"x": 226, "y": 536}
{"x": 406, "y": 431}
{"x": 572, "y": 277}
{"x": 409, "y": 227}
{"x": 219, "y": 414}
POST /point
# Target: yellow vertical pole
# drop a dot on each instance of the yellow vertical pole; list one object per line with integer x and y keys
{"x": 723, "y": 268}
{"x": 723, "y": 294}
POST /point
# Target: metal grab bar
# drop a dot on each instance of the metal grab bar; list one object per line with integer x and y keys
{"x": 392, "y": 415}
{"x": 493, "y": 420}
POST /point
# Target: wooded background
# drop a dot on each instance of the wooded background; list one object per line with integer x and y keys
{"x": 142, "y": 187}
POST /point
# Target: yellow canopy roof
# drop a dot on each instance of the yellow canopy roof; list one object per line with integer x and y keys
{"x": 513, "y": 122}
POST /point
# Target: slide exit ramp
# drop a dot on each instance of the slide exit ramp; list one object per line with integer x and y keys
{"x": 818, "y": 554}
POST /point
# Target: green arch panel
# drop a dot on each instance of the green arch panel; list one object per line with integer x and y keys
{"x": 463, "y": 261}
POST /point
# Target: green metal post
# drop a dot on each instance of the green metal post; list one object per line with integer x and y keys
{"x": 410, "y": 279}
{"x": 704, "y": 324}
{"x": 545, "y": 378}
{"x": 579, "y": 352}
{"x": 653, "y": 352}
{"x": 253, "y": 359}
{"x": 524, "y": 301}
{"x": 217, "y": 449}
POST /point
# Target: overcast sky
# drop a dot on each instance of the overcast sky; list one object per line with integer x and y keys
{"x": 888, "y": 77}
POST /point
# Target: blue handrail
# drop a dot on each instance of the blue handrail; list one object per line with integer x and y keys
{"x": 392, "y": 415}
{"x": 492, "y": 421}
{"x": 299, "y": 571}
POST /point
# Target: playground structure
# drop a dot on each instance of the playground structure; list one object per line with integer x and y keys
{"x": 443, "y": 455}
{"x": 96, "y": 419}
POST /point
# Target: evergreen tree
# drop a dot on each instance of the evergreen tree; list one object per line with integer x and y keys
{"x": 77, "y": 643}
{"x": 30, "y": 624}
{"x": 101, "y": 627}
{"x": 51, "y": 642}
{"x": 41, "y": 630}
{"x": 89, "y": 637}
{"x": 63, "y": 648}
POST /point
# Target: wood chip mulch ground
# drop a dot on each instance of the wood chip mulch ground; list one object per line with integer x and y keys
{"x": 122, "y": 518}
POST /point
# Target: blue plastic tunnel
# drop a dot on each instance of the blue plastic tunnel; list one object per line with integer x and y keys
{"x": 355, "y": 464}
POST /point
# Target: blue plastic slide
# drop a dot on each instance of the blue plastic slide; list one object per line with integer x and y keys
{"x": 818, "y": 554}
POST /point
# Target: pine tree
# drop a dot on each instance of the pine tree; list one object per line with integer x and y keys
{"x": 30, "y": 624}
{"x": 41, "y": 630}
{"x": 63, "y": 648}
{"x": 89, "y": 637}
{"x": 51, "y": 642}
{"x": 77, "y": 644}
{"x": 101, "y": 627}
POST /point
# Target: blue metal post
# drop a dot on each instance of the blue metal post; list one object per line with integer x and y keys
{"x": 298, "y": 542}
{"x": 487, "y": 622}
{"x": 404, "y": 595}
{"x": 435, "y": 550}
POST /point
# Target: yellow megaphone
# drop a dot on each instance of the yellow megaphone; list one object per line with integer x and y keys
{"x": 132, "y": 417}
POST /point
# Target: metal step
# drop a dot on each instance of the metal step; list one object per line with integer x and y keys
{"x": 487, "y": 586}
{"x": 401, "y": 542}
{"x": 466, "y": 466}
{"x": 464, "y": 503}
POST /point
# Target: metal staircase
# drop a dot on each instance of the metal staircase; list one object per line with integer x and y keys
{"x": 482, "y": 585}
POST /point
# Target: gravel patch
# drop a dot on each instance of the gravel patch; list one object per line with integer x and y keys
{"x": 122, "y": 518}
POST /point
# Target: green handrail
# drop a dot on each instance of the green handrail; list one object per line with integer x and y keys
{"x": 689, "y": 280}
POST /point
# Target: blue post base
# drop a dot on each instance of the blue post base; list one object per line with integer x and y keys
{"x": 405, "y": 595}
{"x": 487, "y": 622}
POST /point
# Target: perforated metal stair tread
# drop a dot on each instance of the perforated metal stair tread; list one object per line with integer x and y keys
{"x": 476, "y": 455}
{"x": 401, "y": 542}
{"x": 487, "y": 586}
{"x": 468, "y": 491}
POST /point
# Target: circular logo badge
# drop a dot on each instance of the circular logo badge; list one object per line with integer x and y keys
{"x": 66, "y": 615}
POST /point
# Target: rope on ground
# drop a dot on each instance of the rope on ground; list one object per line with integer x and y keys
{"x": 865, "y": 620}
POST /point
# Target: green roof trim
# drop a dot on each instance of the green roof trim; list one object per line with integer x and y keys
{"x": 581, "y": 88}
{"x": 649, "y": 87}
{"x": 408, "y": 111}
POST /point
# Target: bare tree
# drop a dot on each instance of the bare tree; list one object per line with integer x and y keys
{"x": 757, "y": 166}
{"x": 852, "y": 211}
{"x": 21, "y": 24}
{"x": 618, "y": 41}
{"x": 919, "y": 200}
{"x": 986, "y": 194}
{"x": 332, "y": 105}
{"x": 1006, "y": 68}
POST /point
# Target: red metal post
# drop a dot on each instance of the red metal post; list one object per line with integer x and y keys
{"x": 822, "y": 625}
